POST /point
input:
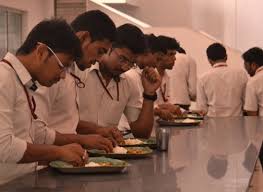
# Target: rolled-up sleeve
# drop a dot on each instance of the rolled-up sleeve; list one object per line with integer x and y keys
{"x": 43, "y": 134}
{"x": 201, "y": 100}
{"x": 251, "y": 100}
{"x": 12, "y": 148}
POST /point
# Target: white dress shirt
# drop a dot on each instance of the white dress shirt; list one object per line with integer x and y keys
{"x": 254, "y": 93}
{"x": 136, "y": 75}
{"x": 17, "y": 127}
{"x": 96, "y": 105}
{"x": 183, "y": 80}
{"x": 221, "y": 91}
{"x": 58, "y": 105}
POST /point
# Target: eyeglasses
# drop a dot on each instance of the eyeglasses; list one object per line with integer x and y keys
{"x": 125, "y": 60}
{"x": 61, "y": 66}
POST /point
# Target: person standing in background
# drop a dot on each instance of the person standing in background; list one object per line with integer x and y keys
{"x": 183, "y": 80}
{"x": 221, "y": 90}
{"x": 253, "y": 61}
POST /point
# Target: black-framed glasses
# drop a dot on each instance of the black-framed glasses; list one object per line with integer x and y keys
{"x": 125, "y": 60}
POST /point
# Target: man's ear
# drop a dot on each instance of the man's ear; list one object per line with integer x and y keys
{"x": 83, "y": 36}
{"x": 254, "y": 66}
{"x": 42, "y": 53}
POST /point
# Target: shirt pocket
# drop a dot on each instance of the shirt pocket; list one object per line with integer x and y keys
{"x": 111, "y": 112}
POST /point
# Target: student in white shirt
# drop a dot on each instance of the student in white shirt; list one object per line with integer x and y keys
{"x": 162, "y": 67}
{"x": 164, "y": 107}
{"x": 111, "y": 92}
{"x": 43, "y": 58}
{"x": 59, "y": 104}
{"x": 221, "y": 91}
{"x": 183, "y": 80}
{"x": 153, "y": 54}
{"x": 253, "y": 61}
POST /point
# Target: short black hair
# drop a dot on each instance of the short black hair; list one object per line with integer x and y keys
{"x": 181, "y": 50}
{"x": 254, "y": 55}
{"x": 153, "y": 45}
{"x": 216, "y": 51}
{"x": 98, "y": 24}
{"x": 131, "y": 37}
{"x": 56, "y": 34}
{"x": 168, "y": 42}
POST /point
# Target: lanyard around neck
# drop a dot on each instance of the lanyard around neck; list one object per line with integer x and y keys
{"x": 163, "y": 91}
{"x": 32, "y": 105}
{"x": 105, "y": 88}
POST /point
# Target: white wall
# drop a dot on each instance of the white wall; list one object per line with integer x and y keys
{"x": 249, "y": 23}
{"x": 236, "y": 23}
{"x": 208, "y": 16}
{"x": 34, "y": 11}
{"x": 165, "y": 13}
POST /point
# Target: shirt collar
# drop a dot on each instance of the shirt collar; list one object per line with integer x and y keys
{"x": 138, "y": 70}
{"x": 259, "y": 69}
{"x": 165, "y": 75}
{"x": 96, "y": 66}
{"x": 221, "y": 64}
{"x": 21, "y": 71}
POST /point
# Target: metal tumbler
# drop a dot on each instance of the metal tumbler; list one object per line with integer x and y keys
{"x": 162, "y": 137}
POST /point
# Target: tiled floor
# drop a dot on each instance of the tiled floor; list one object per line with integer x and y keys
{"x": 256, "y": 184}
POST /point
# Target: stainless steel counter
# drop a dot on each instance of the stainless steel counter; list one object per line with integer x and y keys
{"x": 217, "y": 156}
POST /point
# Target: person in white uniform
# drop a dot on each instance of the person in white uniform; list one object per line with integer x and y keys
{"x": 183, "y": 80}
{"x": 43, "y": 58}
{"x": 111, "y": 92}
{"x": 59, "y": 104}
{"x": 164, "y": 107}
{"x": 158, "y": 55}
{"x": 253, "y": 61}
{"x": 154, "y": 53}
{"x": 162, "y": 67}
{"x": 221, "y": 90}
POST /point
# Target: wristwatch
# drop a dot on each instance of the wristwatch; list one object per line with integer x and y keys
{"x": 150, "y": 97}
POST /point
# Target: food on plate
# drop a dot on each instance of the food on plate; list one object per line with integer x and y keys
{"x": 101, "y": 164}
{"x": 135, "y": 151}
{"x": 119, "y": 150}
{"x": 188, "y": 121}
{"x": 128, "y": 150}
{"x": 133, "y": 142}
